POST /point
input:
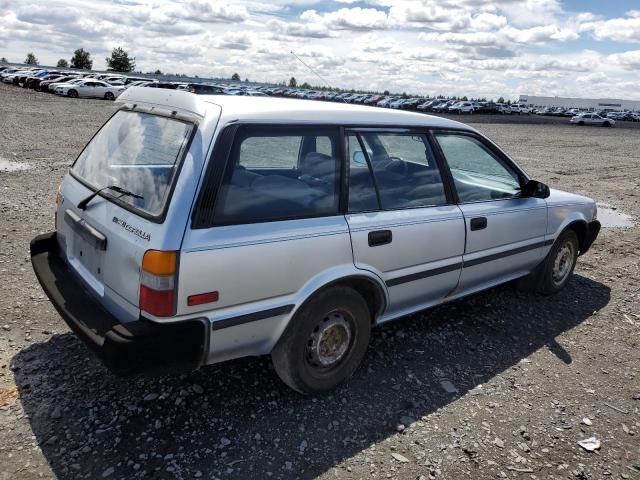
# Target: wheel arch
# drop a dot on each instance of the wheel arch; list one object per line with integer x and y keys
{"x": 368, "y": 288}
{"x": 369, "y": 285}
{"x": 579, "y": 226}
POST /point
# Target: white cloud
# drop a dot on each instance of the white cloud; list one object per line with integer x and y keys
{"x": 461, "y": 47}
{"x": 629, "y": 60}
{"x": 617, "y": 29}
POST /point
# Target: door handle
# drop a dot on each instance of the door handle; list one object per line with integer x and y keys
{"x": 380, "y": 237}
{"x": 478, "y": 223}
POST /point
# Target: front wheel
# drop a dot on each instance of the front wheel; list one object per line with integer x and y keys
{"x": 560, "y": 263}
{"x": 109, "y": 96}
{"x": 553, "y": 274}
{"x": 325, "y": 341}
{"x": 72, "y": 93}
{"x": 606, "y": 124}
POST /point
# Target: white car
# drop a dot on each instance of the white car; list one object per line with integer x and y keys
{"x": 520, "y": 109}
{"x": 462, "y": 107}
{"x": 90, "y": 88}
{"x": 9, "y": 75}
{"x": 592, "y": 119}
{"x": 54, "y": 85}
{"x": 172, "y": 254}
{"x": 114, "y": 80}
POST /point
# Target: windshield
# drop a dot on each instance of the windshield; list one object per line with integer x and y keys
{"x": 138, "y": 152}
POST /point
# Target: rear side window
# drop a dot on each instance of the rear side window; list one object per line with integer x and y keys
{"x": 404, "y": 169}
{"x": 138, "y": 152}
{"x": 279, "y": 174}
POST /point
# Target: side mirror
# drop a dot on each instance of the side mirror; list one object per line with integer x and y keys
{"x": 359, "y": 158}
{"x": 536, "y": 189}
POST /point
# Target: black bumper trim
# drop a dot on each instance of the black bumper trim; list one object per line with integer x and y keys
{"x": 250, "y": 317}
{"x": 593, "y": 228}
{"x": 127, "y": 349}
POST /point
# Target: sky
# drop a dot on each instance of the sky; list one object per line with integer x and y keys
{"x": 478, "y": 48}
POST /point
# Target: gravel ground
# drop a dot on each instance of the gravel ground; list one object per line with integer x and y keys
{"x": 500, "y": 385}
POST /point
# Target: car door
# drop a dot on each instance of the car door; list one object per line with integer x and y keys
{"x": 83, "y": 89}
{"x": 404, "y": 225}
{"x": 99, "y": 89}
{"x": 505, "y": 232}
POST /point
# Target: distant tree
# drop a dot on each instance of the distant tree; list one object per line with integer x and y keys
{"x": 464, "y": 99}
{"x": 157, "y": 72}
{"x": 501, "y": 100}
{"x": 293, "y": 83}
{"x": 119, "y": 61}
{"x": 235, "y": 77}
{"x": 81, "y": 60}
{"x": 31, "y": 59}
{"x": 4, "y": 60}
{"x": 386, "y": 92}
{"x": 62, "y": 63}
{"x": 305, "y": 85}
{"x": 246, "y": 80}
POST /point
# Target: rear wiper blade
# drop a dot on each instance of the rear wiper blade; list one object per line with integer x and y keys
{"x": 83, "y": 203}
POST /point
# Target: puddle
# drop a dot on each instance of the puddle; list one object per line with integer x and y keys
{"x": 610, "y": 218}
{"x": 9, "y": 166}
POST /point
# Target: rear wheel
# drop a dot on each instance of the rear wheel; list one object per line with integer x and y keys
{"x": 606, "y": 124}
{"x": 72, "y": 93}
{"x": 325, "y": 341}
{"x": 580, "y": 123}
{"x": 109, "y": 96}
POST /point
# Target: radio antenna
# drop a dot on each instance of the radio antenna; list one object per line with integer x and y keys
{"x": 314, "y": 72}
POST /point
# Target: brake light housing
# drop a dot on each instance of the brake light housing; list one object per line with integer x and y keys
{"x": 158, "y": 284}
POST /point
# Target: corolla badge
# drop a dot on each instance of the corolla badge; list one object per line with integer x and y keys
{"x": 133, "y": 229}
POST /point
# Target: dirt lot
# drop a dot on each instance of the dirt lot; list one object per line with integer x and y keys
{"x": 529, "y": 376}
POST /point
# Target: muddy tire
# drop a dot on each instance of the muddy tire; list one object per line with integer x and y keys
{"x": 325, "y": 341}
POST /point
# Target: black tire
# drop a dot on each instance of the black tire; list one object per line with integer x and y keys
{"x": 606, "y": 124}
{"x": 542, "y": 279}
{"x": 72, "y": 93}
{"x": 580, "y": 123}
{"x": 297, "y": 356}
{"x": 549, "y": 283}
{"x": 109, "y": 96}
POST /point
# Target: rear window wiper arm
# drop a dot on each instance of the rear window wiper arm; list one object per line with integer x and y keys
{"x": 83, "y": 203}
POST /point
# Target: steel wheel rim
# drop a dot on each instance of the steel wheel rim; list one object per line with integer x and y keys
{"x": 330, "y": 341}
{"x": 563, "y": 263}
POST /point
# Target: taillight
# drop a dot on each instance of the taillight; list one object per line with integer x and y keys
{"x": 158, "y": 282}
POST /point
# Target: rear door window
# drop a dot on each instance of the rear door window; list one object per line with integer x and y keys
{"x": 404, "y": 171}
{"x": 277, "y": 173}
{"x": 138, "y": 152}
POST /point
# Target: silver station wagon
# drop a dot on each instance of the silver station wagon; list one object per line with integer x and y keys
{"x": 194, "y": 229}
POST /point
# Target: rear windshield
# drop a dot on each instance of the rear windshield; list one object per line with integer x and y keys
{"x": 138, "y": 152}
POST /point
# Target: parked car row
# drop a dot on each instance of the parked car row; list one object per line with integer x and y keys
{"x": 108, "y": 86}
{"x": 575, "y": 112}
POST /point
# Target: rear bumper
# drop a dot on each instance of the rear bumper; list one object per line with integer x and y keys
{"x": 128, "y": 348}
{"x": 593, "y": 228}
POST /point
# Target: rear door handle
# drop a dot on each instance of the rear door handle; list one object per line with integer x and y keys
{"x": 380, "y": 237}
{"x": 478, "y": 223}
